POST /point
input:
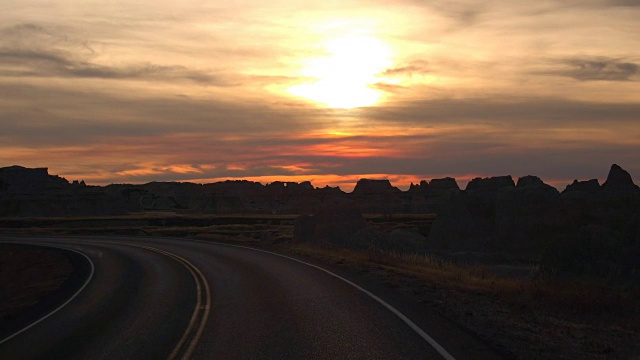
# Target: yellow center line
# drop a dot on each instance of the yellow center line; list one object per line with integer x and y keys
{"x": 201, "y": 283}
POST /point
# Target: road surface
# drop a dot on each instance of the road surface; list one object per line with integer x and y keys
{"x": 154, "y": 298}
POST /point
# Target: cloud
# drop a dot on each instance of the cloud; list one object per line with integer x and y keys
{"x": 413, "y": 67}
{"x": 505, "y": 110}
{"x": 30, "y": 50}
{"x": 439, "y": 158}
{"x": 464, "y": 13}
{"x": 622, "y": 2}
{"x": 546, "y": 7}
{"x": 34, "y": 63}
{"x": 595, "y": 69}
{"x": 47, "y": 114}
{"x": 516, "y": 149}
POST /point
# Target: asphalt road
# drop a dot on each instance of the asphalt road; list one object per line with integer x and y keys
{"x": 150, "y": 298}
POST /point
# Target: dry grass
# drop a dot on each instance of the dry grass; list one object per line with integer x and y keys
{"x": 331, "y": 254}
{"x": 425, "y": 267}
{"x": 575, "y": 298}
{"x": 402, "y": 217}
{"x": 528, "y": 318}
{"x": 570, "y": 299}
{"x": 155, "y": 215}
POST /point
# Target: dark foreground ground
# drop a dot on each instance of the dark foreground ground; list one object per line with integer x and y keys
{"x": 28, "y": 275}
{"x": 518, "y": 317}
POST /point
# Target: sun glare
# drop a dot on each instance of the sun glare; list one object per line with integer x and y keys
{"x": 343, "y": 78}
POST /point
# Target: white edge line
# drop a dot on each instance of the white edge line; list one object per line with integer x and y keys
{"x": 441, "y": 350}
{"x": 61, "y": 306}
{"x": 431, "y": 341}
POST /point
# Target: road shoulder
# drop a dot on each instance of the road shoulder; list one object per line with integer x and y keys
{"x": 35, "y": 281}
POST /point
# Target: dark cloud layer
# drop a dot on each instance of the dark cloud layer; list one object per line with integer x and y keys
{"x": 464, "y": 13}
{"x": 414, "y": 67}
{"x": 623, "y": 2}
{"x": 31, "y": 50}
{"x": 43, "y": 115}
{"x": 33, "y": 63}
{"x": 596, "y": 69}
{"x": 508, "y": 110}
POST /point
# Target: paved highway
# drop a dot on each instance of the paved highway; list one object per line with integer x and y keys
{"x": 151, "y": 298}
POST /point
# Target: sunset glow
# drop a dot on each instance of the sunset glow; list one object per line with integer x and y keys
{"x": 107, "y": 91}
{"x": 343, "y": 78}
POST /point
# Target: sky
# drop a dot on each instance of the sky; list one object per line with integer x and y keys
{"x": 329, "y": 92}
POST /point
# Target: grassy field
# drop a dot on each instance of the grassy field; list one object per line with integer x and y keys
{"x": 239, "y": 227}
{"x": 272, "y": 228}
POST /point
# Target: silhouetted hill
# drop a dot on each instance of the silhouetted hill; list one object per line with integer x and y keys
{"x": 33, "y": 192}
{"x": 587, "y": 223}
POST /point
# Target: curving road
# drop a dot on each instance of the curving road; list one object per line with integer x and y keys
{"x": 151, "y": 298}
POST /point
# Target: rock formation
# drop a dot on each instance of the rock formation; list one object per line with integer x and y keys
{"x": 619, "y": 181}
{"x": 491, "y": 215}
{"x": 490, "y": 184}
{"x": 454, "y": 227}
{"x": 337, "y": 222}
{"x": 365, "y": 187}
{"x": 21, "y": 180}
{"x": 33, "y": 192}
{"x": 588, "y": 186}
{"x": 377, "y": 197}
{"x": 443, "y": 184}
{"x": 422, "y": 187}
{"x": 601, "y": 237}
{"x": 494, "y": 214}
{"x": 528, "y": 215}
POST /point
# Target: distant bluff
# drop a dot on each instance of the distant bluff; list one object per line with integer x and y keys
{"x": 587, "y": 228}
{"x": 33, "y": 192}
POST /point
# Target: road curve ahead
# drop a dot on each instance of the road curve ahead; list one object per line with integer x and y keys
{"x": 153, "y": 298}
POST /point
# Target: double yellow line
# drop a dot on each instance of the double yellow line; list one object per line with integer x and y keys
{"x": 185, "y": 347}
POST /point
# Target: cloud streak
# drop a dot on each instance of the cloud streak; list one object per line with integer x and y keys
{"x": 595, "y": 69}
{"x": 31, "y": 50}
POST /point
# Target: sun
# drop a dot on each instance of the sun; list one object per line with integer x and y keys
{"x": 343, "y": 78}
